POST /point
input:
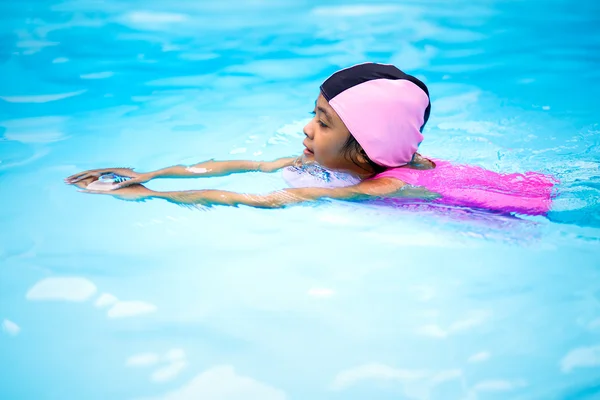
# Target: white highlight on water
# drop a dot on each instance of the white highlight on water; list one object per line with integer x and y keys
{"x": 62, "y": 288}
{"x": 10, "y": 327}
{"x": 106, "y": 300}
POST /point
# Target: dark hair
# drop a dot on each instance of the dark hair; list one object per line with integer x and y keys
{"x": 352, "y": 148}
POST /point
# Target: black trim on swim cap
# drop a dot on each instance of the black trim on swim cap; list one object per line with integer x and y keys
{"x": 357, "y": 74}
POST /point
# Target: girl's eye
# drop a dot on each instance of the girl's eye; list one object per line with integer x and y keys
{"x": 321, "y": 123}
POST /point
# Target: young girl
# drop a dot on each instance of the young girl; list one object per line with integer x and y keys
{"x": 361, "y": 144}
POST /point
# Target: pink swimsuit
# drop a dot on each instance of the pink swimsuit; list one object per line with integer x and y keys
{"x": 471, "y": 186}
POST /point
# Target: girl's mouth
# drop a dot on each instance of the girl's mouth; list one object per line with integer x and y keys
{"x": 307, "y": 151}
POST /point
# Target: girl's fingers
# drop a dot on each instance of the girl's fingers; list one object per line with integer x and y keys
{"x": 82, "y": 177}
{"x": 87, "y": 174}
{"x": 72, "y": 177}
{"x": 75, "y": 179}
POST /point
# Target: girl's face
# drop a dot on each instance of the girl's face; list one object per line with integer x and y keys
{"x": 326, "y": 136}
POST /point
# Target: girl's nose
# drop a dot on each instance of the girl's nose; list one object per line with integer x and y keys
{"x": 308, "y": 131}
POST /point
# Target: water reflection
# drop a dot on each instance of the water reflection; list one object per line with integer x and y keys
{"x": 67, "y": 289}
{"x": 42, "y": 98}
{"x": 223, "y": 382}
{"x": 10, "y": 327}
{"x": 582, "y": 357}
{"x": 78, "y": 289}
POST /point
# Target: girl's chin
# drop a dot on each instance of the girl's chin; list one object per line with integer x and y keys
{"x": 308, "y": 157}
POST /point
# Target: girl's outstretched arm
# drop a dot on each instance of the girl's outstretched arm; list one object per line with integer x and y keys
{"x": 204, "y": 169}
{"x": 278, "y": 199}
{"x": 220, "y": 168}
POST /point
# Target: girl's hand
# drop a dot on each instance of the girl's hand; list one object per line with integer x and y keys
{"x": 131, "y": 193}
{"x": 136, "y": 178}
{"x": 97, "y": 173}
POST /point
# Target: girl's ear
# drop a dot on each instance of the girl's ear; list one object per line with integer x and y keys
{"x": 362, "y": 155}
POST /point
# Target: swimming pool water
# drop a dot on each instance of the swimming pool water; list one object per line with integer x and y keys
{"x": 107, "y": 299}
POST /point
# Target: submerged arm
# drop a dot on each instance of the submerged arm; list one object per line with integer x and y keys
{"x": 278, "y": 199}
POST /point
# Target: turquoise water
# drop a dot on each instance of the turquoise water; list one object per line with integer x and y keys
{"x": 107, "y": 299}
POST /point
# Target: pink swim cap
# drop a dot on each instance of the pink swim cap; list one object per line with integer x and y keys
{"x": 383, "y": 108}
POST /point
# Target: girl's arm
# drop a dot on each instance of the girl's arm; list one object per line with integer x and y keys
{"x": 220, "y": 168}
{"x": 205, "y": 169}
{"x": 282, "y": 198}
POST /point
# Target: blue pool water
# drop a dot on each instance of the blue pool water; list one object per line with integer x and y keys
{"x": 107, "y": 299}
